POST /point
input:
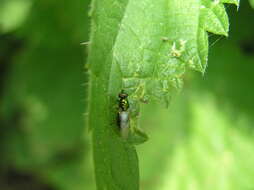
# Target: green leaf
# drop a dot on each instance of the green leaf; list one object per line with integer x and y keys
{"x": 13, "y": 13}
{"x": 143, "y": 47}
{"x": 252, "y": 3}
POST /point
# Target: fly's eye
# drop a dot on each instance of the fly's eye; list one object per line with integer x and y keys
{"x": 123, "y": 95}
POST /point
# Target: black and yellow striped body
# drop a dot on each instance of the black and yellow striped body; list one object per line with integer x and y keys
{"x": 123, "y": 102}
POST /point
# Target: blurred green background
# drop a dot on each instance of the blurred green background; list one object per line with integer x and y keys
{"x": 203, "y": 141}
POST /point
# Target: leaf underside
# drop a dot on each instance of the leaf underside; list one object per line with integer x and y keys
{"x": 143, "y": 47}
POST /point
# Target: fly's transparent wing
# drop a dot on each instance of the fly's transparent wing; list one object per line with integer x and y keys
{"x": 124, "y": 123}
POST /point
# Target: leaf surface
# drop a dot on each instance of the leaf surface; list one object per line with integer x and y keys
{"x": 143, "y": 47}
{"x": 252, "y": 3}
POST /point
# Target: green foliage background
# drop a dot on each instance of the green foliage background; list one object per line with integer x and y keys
{"x": 203, "y": 141}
